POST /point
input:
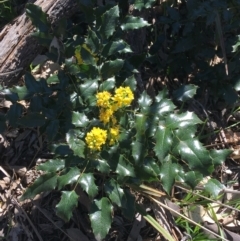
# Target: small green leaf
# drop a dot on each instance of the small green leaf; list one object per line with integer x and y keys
{"x": 76, "y": 144}
{"x": 124, "y": 169}
{"x": 192, "y": 178}
{"x": 101, "y": 165}
{"x": 163, "y": 107}
{"x": 114, "y": 47}
{"x": 185, "y": 92}
{"x": 68, "y": 202}
{"x": 131, "y": 82}
{"x": 214, "y": 187}
{"x": 38, "y": 17}
{"x": 87, "y": 183}
{"x": 32, "y": 120}
{"x": 130, "y": 23}
{"x": 44, "y": 183}
{"x": 69, "y": 178}
{"x": 144, "y": 100}
{"x": 9, "y": 95}
{"x": 52, "y": 129}
{"x": 164, "y": 141}
{"x": 52, "y": 165}
{"x": 109, "y": 21}
{"x": 111, "y": 68}
{"x": 101, "y": 218}
{"x": 114, "y": 191}
{"x": 32, "y": 85}
{"x": 14, "y": 113}
{"x": 60, "y": 149}
{"x": 235, "y": 47}
{"x": 141, "y": 124}
{"x": 79, "y": 119}
{"x": 183, "y": 120}
{"x": 88, "y": 89}
{"x": 139, "y": 151}
{"x": 107, "y": 84}
{"x": 21, "y": 91}
{"x": 141, "y": 4}
{"x": 219, "y": 156}
{"x": 93, "y": 41}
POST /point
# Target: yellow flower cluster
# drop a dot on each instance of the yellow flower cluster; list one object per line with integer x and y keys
{"x": 96, "y": 138}
{"x": 108, "y": 104}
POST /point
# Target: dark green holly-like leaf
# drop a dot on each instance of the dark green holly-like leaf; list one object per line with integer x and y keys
{"x": 32, "y": 85}
{"x": 235, "y": 47}
{"x": 183, "y": 120}
{"x": 52, "y": 129}
{"x": 109, "y": 21}
{"x": 60, "y": 149}
{"x": 185, "y": 92}
{"x": 21, "y": 91}
{"x": 46, "y": 182}
{"x": 93, "y": 41}
{"x": 108, "y": 84}
{"x": 9, "y": 95}
{"x": 14, "y": 113}
{"x": 79, "y": 119}
{"x": 76, "y": 144}
{"x": 52, "y": 165}
{"x": 128, "y": 204}
{"x": 124, "y": 169}
{"x": 144, "y": 100}
{"x": 68, "y": 202}
{"x": 114, "y": 47}
{"x": 38, "y": 17}
{"x": 141, "y": 4}
{"x": 69, "y": 178}
{"x": 219, "y": 156}
{"x": 139, "y": 151}
{"x": 32, "y": 120}
{"x": 192, "y": 178}
{"x": 111, "y": 68}
{"x": 214, "y": 187}
{"x": 114, "y": 191}
{"x": 87, "y": 183}
{"x": 101, "y": 165}
{"x": 131, "y": 22}
{"x": 88, "y": 88}
{"x": 101, "y": 218}
{"x": 141, "y": 124}
{"x": 164, "y": 141}
{"x": 162, "y": 107}
{"x": 131, "y": 82}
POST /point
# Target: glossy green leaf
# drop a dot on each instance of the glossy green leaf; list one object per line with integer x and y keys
{"x": 101, "y": 217}
{"x": 69, "y": 178}
{"x": 101, "y": 165}
{"x": 144, "y": 100}
{"x": 109, "y": 22}
{"x": 219, "y": 156}
{"x": 124, "y": 169}
{"x": 111, "y": 68}
{"x": 21, "y": 91}
{"x": 67, "y": 204}
{"x": 87, "y": 183}
{"x": 107, "y": 84}
{"x": 192, "y": 178}
{"x": 14, "y": 112}
{"x": 131, "y": 82}
{"x": 76, "y": 144}
{"x": 60, "y": 149}
{"x": 183, "y": 120}
{"x": 214, "y": 187}
{"x": 141, "y": 4}
{"x": 141, "y": 124}
{"x": 38, "y": 17}
{"x": 44, "y": 183}
{"x": 163, "y": 107}
{"x": 139, "y": 151}
{"x": 79, "y": 119}
{"x": 114, "y": 191}
{"x": 185, "y": 92}
{"x": 168, "y": 173}
{"x": 197, "y": 157}
{"x": 52, "y": 165}
{"x": 93, "y": 41}
{"x": 32, "y": 120}
{"x": 131, "y": 22}
{"x": 114, "y": 47}
{"x": 89, "y": 88}
{"x": 164, "y": 141}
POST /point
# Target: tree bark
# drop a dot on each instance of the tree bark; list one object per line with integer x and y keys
{"x": 18, "y": 48}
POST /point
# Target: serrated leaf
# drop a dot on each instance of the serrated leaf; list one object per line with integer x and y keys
{"x": 139, "y": 151}
{"x": 76, "y": 144}
{"x": 38, "y": 17}
{"x": 214, "y": 187}
{"x": 168, "y": 173}
{"x": 144, "y": 100}
{"x": 114, "y": 191}
{"x": 131, "y": 82}
{"x": 109, "y": 22}
{"x": 79, "y": 119}
{"x": 114, "y": 47}
{"x": 183, "y": 120}
{"x": 197, "y": 157}
{"x": 68, "y": 202}
{"x": 162, "y": 107}
{"x": 219, "y": 156}
{"x": 88, "y": 88}
{"x": 123, "y": 169}
{"x": 52, "y": 165}
{"x": 32, "y": 120}
{"x": 87, "y": 183}
{"x": 44, "y": 183}
{"x": 111, "y": 68}
{"x": 192, "y": 178}
{"x": 14, "y": 112}
{"x": 101, "y": 165}
{"x": 130, "y": 23}
{"x": 69, "y": 178}
{"x": 108, "y": 84}
{"x": 164, "y": 141}
{"x": 101, "y": 218}
{"x": 93, "y": 41}
{"x": 141, "y": 125}
{"x": 141, "y": 4}
{"x": 185, "y": 92}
